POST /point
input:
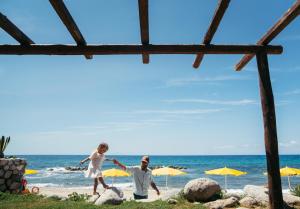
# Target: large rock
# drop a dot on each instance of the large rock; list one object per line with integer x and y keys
{"x": 223, "y": 203}
{"x": 248, "y": 202}
{"x": 201, "y": 189}
{"x": 259, "y": 193}
{"x": 111, "y": 196}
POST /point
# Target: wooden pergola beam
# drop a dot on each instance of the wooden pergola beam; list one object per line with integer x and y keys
{"x": 65, "y": 16}
{"x": 144, "y": 26}
{"x": 135, "y": 49}
{"x": 219, "y": 13}
{"x": 14, "y": 31}
{"x": 270, "y": 132}
{"x": 280, "y": 25}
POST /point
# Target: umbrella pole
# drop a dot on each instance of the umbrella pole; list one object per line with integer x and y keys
{"x": 112, "y": 181}
{"x": 289, "y": 183}
{"x": 166, "y": 182}
{"x": 225, "y": 183}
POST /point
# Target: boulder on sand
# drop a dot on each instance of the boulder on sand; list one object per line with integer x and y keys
{"x": 111, "y": 196}
{"x": 201, "y": 189}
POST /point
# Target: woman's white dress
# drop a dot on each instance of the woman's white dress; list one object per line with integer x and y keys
{"x": 95, "y": 165}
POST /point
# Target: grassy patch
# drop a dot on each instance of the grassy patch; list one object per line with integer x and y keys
{"x": 296, "y": 191}
{"x": 10, "y": 201}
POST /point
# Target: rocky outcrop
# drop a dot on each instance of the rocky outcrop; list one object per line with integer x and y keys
{"x": 201, "y": 190}
{"x": 11, "y": 174}
{"x": 111, "y": 196}
{"x": 223, "y": 203}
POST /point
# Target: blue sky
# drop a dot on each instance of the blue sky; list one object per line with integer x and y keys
{"x": 67, "y": 104}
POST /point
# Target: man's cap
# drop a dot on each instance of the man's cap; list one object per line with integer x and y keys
{"x": 145, "y": 159}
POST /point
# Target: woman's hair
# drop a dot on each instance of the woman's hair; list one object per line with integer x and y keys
{"x": 103, "y": 144}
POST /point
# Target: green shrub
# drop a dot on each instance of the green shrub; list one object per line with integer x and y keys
{"x": 78, "y": 197}
{"x": 296, "y": 190}
{"x": 3, "y": 144}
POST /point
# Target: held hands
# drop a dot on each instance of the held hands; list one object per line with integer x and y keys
{"x": 116, "y": 162}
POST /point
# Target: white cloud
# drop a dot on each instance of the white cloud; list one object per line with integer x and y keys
{"x": 234, "y": 147}
{"x": 294, "y": 92}
{"x": 178, "y": 112}
{"x": 287, "y": 144}
{"x": 214, "y": 102}
{"x": 199, "y": 80}
{"x": 282, "y": 103}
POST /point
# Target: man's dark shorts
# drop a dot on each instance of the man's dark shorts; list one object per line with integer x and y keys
{"x": 139, "y": 197}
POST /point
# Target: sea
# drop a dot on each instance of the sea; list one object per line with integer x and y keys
{"x": 52, "y": 172}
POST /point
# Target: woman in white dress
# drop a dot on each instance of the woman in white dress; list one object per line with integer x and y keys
{"x": 94, "y": 169}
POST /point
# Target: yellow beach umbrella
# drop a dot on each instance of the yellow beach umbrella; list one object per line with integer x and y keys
{"x": 225, "y": 172}
{"x": 166, "y": 171}
{"x": 287, "y": 171}
{"x": 114, "y": 173}
{"x": 30, "y": 172}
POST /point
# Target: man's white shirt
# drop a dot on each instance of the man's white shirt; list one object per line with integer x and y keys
{"x": 142, "y": 179}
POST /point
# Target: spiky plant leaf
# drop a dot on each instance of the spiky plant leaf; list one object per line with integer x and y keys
{"x": 2, "y": 143}
{"x": 6, "y": 143}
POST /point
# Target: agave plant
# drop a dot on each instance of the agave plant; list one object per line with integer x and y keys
{"x": 3, "y": 144}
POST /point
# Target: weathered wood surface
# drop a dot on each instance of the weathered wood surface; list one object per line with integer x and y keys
{"x": 219, "y": 13}
{"x": 65, "y": 16}
{"x": 270, "y": 132}
{"x": 135, "y": 49}
{"x": 144, "y": 26}
{"x": 284, "y": 21}
{"x": 14, "y": 31}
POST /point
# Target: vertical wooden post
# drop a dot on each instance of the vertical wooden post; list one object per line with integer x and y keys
{"x": 270, "y": 132}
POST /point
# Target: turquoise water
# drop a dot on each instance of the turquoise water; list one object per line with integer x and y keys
{"x": 52, "y": 172}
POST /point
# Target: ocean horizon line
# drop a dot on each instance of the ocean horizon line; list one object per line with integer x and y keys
{"x": 153, "y": 155}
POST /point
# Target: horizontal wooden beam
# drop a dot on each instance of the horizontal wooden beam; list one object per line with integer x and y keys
{"x": 65, "y": 16}
{"x": 136, "y": 49}
{"x": 14, "y": 31}
{"x": 144, "y": 26}
{"x": 281, "y": 24}
{"x": 219, "y": 13}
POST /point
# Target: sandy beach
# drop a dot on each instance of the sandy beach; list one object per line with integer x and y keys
{"x": 128, "y": 192}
